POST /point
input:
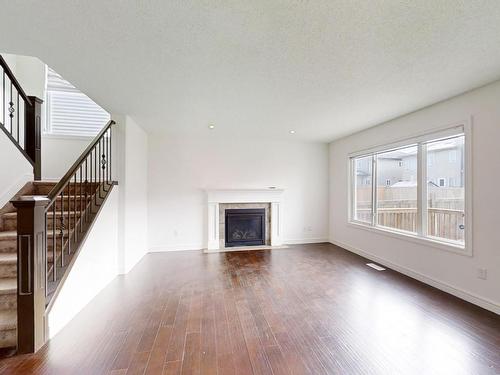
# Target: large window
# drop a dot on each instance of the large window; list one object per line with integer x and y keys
{"x": 363, "y": 189}
{"x": 415, "y": 188}
{"x": 397, "y": 189}
{"x": 69, "y": 111}
{"x": 446, "y": 200}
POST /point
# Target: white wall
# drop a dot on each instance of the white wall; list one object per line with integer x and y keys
{"x": 30, "y": 72}
{"x": 181, "y": 168}
{"x": 454, "y": 273}
{"x": 15, "y": 169}
{"x": 59, "y": 154}
{"x": 130, "y": 158}
{"x": 95, "y": 266}
{"x": 118, "y": 239}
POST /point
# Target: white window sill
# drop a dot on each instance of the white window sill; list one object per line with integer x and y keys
{"x": 408, "y": 236}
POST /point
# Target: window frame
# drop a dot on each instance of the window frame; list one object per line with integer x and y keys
{"x": 462, "y": 128}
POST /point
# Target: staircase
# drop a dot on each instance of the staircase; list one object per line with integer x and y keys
{"x": 45, "y": 224}
{"x": 70, "y": 207}
{"x": 8, "y": 265}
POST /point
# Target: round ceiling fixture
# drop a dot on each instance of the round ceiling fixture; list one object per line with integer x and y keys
{"x": 292, "y": 131}
{"x": 211, "y": 126}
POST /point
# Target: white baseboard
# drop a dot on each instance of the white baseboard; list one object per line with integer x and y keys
{"x": 179, "y": 247}
{"x": 198, "y": 246}
{"x": 303, "y": 241}
{"x": 460, "y": 293}
{"x": 10, "y": 191}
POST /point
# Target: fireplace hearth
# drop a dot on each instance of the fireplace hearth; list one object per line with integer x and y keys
{"x": 245, "y": 227}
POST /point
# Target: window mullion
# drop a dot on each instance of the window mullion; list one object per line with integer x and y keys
{"x": 422, "y": 190}
{"x": 374, "y": 190}
{"x": 352, "y": 189}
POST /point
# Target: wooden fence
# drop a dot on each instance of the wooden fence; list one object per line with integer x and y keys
{"x": 442, "y": 222}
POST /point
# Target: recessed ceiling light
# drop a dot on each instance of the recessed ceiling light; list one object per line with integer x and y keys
{"x": 211, "y": 126}
{"x": 292, "y": 131}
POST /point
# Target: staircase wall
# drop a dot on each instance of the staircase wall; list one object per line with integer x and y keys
{"x": 15, "y": 170}
{"x": 95, "y": 267}
{"x": 131, "y": 160}
{"x": 54, "y": 166}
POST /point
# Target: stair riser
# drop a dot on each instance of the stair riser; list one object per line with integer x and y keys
{"x": 8, "y": 338}
{"x": 8, "y": 270}
{"x": 8, "y": 246}
{"x": 8, "y": 301}
{"x": 46, "y": 189}
{"x": 10, "y": 223}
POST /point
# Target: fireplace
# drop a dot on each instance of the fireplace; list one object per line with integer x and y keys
{"x": 219, "y": 201}
{"x": 245, "y": 227}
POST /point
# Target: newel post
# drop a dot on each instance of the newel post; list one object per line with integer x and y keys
{"x": 33, "y": 134}
{"x": 31, "y": 273}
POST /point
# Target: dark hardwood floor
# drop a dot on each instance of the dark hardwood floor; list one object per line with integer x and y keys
{"x": 311, "y": 309}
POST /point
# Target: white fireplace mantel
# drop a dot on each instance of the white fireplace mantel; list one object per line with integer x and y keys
{"x": 218, "y": 196}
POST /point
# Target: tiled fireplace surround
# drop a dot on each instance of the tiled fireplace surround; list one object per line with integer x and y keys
{"x": 220, "y": 200}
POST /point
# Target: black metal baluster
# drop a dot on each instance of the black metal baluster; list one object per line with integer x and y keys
{"x": 68, "y": 188}
{"x": 11, "y": 108}
{"x": 103, "y": 162}
{"x": 17, "y": 117}
{"x": 74, "y": 211}
{"x": 91, "y": 183}
{"x": 95, "y": 174}
{"x": 54, "y": 240}
{"x": 45, "y": 253}
{"x": 86, "y": 186}
{"x": 99, "y": 168}
{"x": 81, "y": 202}
{"x": 61, "y": 231}
{"x": 110, "y": 153}
{"x": 107, "y": 157}
{"x": 3, "y": 98}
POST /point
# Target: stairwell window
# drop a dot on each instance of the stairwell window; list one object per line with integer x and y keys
{"x": 421, "y": 205}
{"x": 69, "y": 112}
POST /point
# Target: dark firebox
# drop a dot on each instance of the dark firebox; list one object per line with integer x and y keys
{"x": 245, "y": 227}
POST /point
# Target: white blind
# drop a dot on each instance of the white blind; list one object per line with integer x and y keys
{"x": 69, "y": 111}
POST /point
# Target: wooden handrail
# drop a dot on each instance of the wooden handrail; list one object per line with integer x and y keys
{"x": 14, "y": 81}
{"x": 54, "y": 193}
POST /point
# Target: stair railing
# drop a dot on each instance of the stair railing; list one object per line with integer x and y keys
{"x": 51, "y": 230}
{"x": 20, "y": 118}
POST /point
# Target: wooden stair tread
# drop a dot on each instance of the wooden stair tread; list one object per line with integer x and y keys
{"x": 52, "y": 183}
{"x": 8, "y": 235}
{"x": 8, "y": 320}
{"x": 8, "y": 258}
{"x": 72, "y": 196}
{"x": 8, "y": 286}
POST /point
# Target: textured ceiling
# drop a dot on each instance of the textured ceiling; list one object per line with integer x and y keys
{"x": 261, "y": 68}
